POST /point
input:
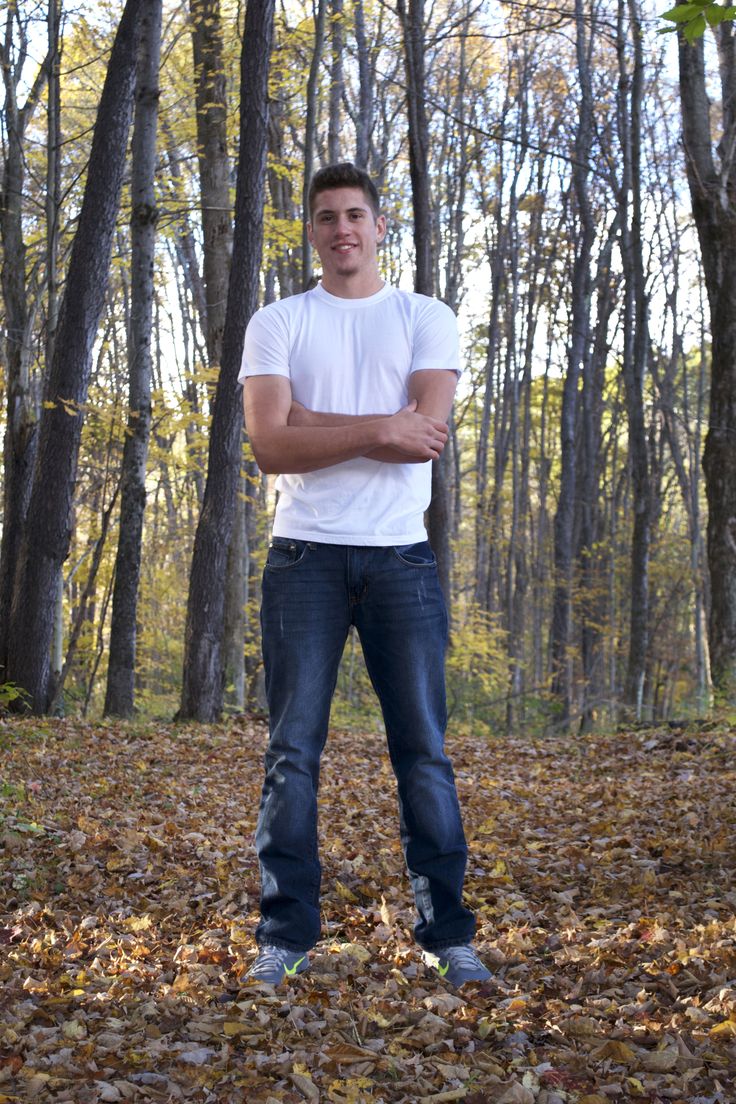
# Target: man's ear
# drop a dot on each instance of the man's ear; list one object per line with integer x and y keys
{"x": 309, "y": 233}
{"x": 380, "y": 228}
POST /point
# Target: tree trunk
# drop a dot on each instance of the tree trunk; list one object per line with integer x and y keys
{"x": 53, "y": 209}
{"x": 47, "y": 532}
{"x": 214, "y": 184}
{"x": 337, "y": 81}
{"x": 412, "y": 20}
{"x": 635, "y": 350}
{"x": 364, "y": 121}
{"x": 713, "y": 196}
{"x": 310, "y": 134}
{"x": 202, "y": 687}
{"x": 591, "y": 527}
{"x": 21, "y": 423}
{"x": 579, "y": 340}
{"x": 119, "y": 698}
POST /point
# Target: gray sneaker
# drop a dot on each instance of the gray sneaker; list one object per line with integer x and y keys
{"x": 456, "y": 965}
{"x": 276, "y": 964}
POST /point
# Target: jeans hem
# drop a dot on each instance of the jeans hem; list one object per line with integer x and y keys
{"x": 433, "y": 948}
{"x": 283, "y": 945}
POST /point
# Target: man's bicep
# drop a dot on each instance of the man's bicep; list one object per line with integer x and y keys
{"x": 266, "y": 403}
{"x": 434, "y": 390}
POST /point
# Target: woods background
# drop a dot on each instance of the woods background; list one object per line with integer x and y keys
{"x": 544, "y": 169}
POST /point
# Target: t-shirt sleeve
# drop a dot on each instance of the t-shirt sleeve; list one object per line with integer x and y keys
{"x": 266, "y": 347}
{"x": 436, "y": 342}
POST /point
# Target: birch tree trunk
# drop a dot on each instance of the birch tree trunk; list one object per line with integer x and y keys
{"x": 47, "y": 532}
{"x": 119, "y": 697}
{"x": 202, "y": 688}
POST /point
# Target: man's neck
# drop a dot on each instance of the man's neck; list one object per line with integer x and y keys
{"x": 353, "y": 289}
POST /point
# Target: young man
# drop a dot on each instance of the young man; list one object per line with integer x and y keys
{"x": 348, "y": 388}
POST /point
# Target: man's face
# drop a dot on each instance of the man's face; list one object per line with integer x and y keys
{"x": 345, "y": 233}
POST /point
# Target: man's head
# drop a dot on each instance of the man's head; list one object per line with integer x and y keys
{"x": 345, "y": 227}
{"x": 344, "y": 174}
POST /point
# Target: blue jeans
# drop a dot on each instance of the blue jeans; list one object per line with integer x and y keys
{"x": 312, "y": 594}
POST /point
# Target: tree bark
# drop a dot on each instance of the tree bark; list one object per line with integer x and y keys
{"x": 337, "y": 81}
{"x": 47, "y": 531}
{"x": 214, "y": 183}
{"x": 119, "y": 698}
{"x": 412, "y": 19}
{"x": 713, "y": 196}
{"x": 579, "y": 340}
{"x": 310, "y": 134}
{"x": 202, "y": 687}
{"x": 635, "y": 347}
{"x": 364, "y": 121}
{"x": 22, "y": 414}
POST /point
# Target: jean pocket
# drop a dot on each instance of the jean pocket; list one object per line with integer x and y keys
{"x": 285, "y": 552}
{"x": 415, "y": 555}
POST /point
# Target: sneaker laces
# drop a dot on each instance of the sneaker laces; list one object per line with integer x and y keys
{"x": 463, "y": 957}
{"x": 269, "y": 958}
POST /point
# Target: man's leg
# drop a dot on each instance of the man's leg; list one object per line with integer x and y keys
{"x": 402, "y": 622}
{"x": 305, "y": 619}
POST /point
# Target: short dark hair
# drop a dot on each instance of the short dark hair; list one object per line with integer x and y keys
{"x": 344, "y": 174}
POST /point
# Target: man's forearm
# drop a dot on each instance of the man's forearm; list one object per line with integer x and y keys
{"x": 295, "y": 449}
{"x": 317, "y": 419}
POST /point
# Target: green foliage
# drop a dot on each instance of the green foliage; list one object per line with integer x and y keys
{"x": 693, "y": 18}
{"x": 477, "y": 671}
{"x": 9, "y": 693}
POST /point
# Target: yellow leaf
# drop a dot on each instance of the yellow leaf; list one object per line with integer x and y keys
{"x": 73, "y": 1029}
{"x": 139, "y": 923}
{"x": 345, "y": 893}
{"x": 636, "y": 1086}
{"x": 239, "y": 935}
{"x": 231, "y": 1028}
{"x": 725, "y": 1028}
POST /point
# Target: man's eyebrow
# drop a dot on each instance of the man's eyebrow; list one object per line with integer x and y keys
{"x": 331, "y": 211}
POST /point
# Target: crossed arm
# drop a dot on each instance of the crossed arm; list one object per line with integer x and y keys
{"x": 286, "y": 437}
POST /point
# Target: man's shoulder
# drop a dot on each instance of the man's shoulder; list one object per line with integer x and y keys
{"x": 289, "y": 305}
{"x": 421, "y": 304}
{"x": 278, "y": 316}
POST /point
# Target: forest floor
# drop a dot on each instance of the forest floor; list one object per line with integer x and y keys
{"x": 602, "y": 875}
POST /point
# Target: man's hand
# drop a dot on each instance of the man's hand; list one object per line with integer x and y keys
{"x": 416, "y": 436}
{"x": 280, "y": 445}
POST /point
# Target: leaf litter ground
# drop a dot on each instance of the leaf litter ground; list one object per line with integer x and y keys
{"x": 602, "y": 874}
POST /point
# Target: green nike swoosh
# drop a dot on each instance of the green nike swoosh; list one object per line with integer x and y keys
{"x": 291, "y": 970}
{"x": 442, "y": 970}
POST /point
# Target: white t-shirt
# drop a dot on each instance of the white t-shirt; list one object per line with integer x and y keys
{"x": 352, "y": 356}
